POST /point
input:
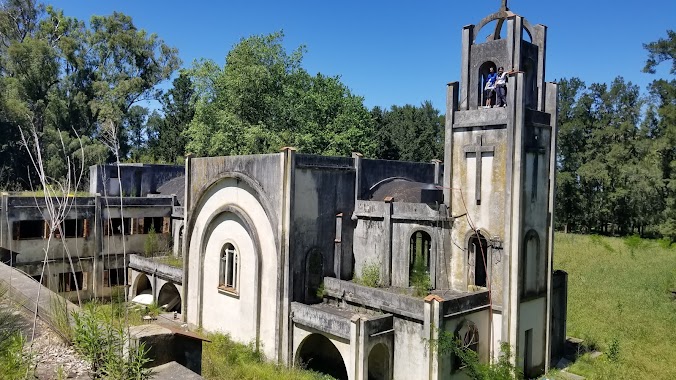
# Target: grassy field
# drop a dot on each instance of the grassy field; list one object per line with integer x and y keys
{"x": 619, "y": 301}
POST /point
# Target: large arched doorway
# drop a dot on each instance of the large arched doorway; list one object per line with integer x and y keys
{"x": 318, "y": 354}
{"x": 169, "y": 297}
{"x": 143, "y": 285}
{"x": 379, "y": 363}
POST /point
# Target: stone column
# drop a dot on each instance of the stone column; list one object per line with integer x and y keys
{"x": 356, "y": 361}
{"x": 451, "y": 107}
{"x": 551, "y": 108}
{"x": 338, "y": 248}
{"x": 465, "y": 82}
{"x": 357, "y": 157}
{"x": 431, "y": 326}
{"x": 387, "y": 224}
{"x": 187, "y": 199}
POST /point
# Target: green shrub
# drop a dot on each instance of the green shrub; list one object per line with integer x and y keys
{"x": 102, "y": 345}
{"x": 420, "y": 277}
{"x": 614, "y": 350}
{"x": 448, "y": 344}
{"x": 370, "y": 275}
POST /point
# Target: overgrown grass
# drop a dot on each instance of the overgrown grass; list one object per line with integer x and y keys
{"x": 172, "y": 261}
{"x": 14, "y": 364}
{"x": 224, "y": 359}
{"x": 619, "y": 300}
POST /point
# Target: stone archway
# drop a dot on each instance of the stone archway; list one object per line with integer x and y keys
{"x": 142, "y": 285}
{"x": 319, "y": 354}
{"x": 379, "y": 363}
{"x": 169, "y": 296}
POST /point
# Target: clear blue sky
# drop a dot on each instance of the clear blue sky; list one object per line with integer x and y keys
{"x": 402, "y": 52}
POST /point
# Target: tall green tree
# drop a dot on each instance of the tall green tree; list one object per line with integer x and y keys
{"x": 409, "y": 133}
{"x": 661, "y": 121}
{"x": 168, "y": 133}
{"x": 67, "y": 81}
{"x": 262, "y": 99}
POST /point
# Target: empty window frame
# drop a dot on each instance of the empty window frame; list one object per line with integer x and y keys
{"x": 114, "y": 277}
{"x": 154, "y": 224}
{"x": 229, "y": 268}
{"x": 467, "y": 335}
{"x": 74, "y": 228}
{"x": 115, "y": 225}
{"x": 420, "y": 247}
{"x": 69, "y": 282}
{"x": 29, "y": 229}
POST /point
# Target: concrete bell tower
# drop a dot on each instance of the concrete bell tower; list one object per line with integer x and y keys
{"x": 499, "y": 185}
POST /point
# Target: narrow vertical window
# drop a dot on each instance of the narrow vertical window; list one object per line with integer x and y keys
{"x": 420, "y": 246}
{"x": 228, "y": 268}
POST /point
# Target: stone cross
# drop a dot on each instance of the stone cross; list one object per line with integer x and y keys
{"x": 536, "y": 149}
{"x": 504, "y": 5}
{"x": 478, "y": 150}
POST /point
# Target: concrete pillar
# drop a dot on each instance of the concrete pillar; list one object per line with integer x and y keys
{"x": 431, "y": 326}
{"x": 97, "y": 231}
{"x": 285, "y": 282}
{"x": 451, "y": 107}
{"x": 437, "y": 171}
{"x": 338, "y": 248}
{"x": 465, "y": 82}
{"x": 357, "y": 157}
{"x": 5, "y": 228}
{"x": 187, "y": 199}
{"x": 355, "y": 367}
{"x": 387, "y": 224}
{"x": 551, "y": 106}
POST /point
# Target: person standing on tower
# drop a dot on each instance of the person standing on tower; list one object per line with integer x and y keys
{"x": 501, "y": 86}
{"x": 490, "y": 86}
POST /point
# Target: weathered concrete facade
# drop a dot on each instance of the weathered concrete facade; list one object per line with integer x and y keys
{"x": 277, "y": 245}
{"x": 89, "y": 257}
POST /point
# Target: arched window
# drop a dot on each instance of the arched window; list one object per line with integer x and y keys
{"x": 227, "y": 279}
{"x": 420, "y": 246}
{"x": 478, "y": 260}
{"x": 484, "y": 71}
{"x": 467, "y": 337}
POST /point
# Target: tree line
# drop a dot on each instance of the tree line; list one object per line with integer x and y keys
{"x": 71, "y": 80}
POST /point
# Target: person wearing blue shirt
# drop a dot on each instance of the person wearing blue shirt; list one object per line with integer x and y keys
{"x": 490, "y": 86}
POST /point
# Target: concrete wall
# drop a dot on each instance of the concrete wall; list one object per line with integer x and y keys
{"x": 531, "y": 316}
{"x": 323, "y": 188}
{"x": 138, "y": 180}
{"x": 411, "y": 350}
{"x": 482, "y": 321}
{"x": 230, "y": 211}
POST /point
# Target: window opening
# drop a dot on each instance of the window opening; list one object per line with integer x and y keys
{"x": 467, "y": 337}
{"x": 73, "y": 228}
{"x": 69, "y": 282}
{"x": 478, "y": 258}
{"x": 154, "y": 224}
{"x": 29, "y": 229}
{"x": 420, "y": 246}
{"x": 228, "y": 268}
{"x": 115, "y": 226}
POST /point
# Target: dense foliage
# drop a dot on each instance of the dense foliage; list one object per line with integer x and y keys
{"x": 617, "y": 153}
